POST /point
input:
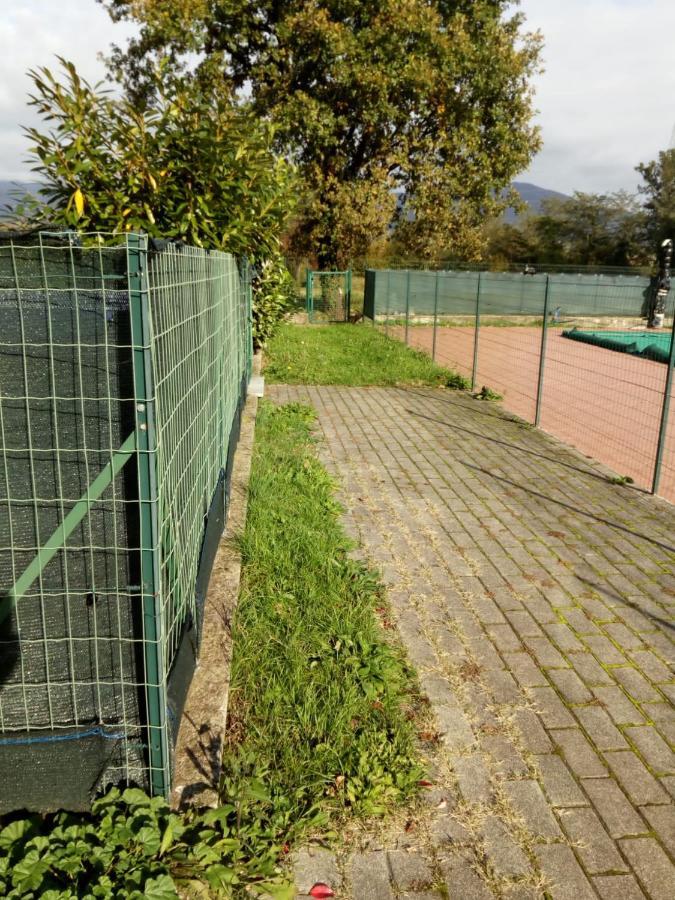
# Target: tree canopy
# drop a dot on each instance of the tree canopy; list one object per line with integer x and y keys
{"x": 430, "y": 98}
{"x": 585, "y": 230}
{"x": 659, "y": 192}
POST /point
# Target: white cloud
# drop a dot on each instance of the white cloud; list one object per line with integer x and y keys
{"x": 607, "y": 97}
{"x": 32, "y": 33}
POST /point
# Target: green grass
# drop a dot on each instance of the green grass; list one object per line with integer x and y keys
{"x": 349, "y": 355}
{"x": 321, "y": 700}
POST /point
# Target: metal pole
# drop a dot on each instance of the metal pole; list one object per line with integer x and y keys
{"x": 139, "y": 306}
{"x": 542, "y": 355}
{"x": 386, "y": 318}
{"x": 308, "y": 294}
{"x": 433, "y": 343}
{"x": 407, "y": 306}
{"x": 349, "y": 293}
{"x": 474, "y": 370}
{"x": 665, "y": 410}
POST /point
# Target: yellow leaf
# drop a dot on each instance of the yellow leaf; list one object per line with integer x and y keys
{"x": 153, "y": 183}
{"x": 78, "y": 197}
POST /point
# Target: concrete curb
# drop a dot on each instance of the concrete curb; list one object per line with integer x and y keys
{"x": 199, "y": 749}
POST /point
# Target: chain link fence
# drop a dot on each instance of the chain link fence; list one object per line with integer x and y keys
{"x": 571, "y": 354}
{"x": 123, "y": 370}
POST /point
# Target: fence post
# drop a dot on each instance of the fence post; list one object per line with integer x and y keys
{"x": 407, "y": 305}
{"x": 348, "y": 288}
{"x": 308, "y": 294}
{"x": 474, "y": 369}
{"x": 386, "y": 317}
{"x": 542, "y": 355}
{"x": 665, "y": 410}
{"x": 139, "y": 307}
{"x": 433, "y": 340}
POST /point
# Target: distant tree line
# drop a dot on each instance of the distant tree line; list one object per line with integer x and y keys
{"x": 618, "y": 229}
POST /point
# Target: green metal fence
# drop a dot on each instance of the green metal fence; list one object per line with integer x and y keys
{"x": 328, "y": 296}
{"x": 123, "y": 369}
{"x": 573, "y": 354}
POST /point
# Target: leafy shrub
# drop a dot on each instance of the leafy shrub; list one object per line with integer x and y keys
{"x": 134, "y": 847}
{"x": 273, "y": 297}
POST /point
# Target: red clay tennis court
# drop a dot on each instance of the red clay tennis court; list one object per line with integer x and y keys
{"x": 606, "y": 404}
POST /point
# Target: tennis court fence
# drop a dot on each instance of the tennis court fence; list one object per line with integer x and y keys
{"x": 572, "y": 354}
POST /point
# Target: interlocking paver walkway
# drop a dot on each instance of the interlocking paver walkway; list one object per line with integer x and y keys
{"x": 536, "y": 600}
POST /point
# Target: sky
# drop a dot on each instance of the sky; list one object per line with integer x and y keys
{"x": 606, "y": 100}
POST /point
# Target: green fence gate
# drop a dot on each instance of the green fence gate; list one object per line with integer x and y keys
{"x": 328, "y": 296}
{"x": 123, "y": 370}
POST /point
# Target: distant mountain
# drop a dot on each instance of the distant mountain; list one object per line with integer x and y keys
{"x": 533, "y": 195}
{"x": 9, "y": 191}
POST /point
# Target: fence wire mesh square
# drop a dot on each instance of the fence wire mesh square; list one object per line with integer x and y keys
{"x": 121, "y": 375}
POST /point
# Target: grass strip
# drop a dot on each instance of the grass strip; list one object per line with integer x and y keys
{"x": 319, "y": 697}
{"x": 350, "y": 355}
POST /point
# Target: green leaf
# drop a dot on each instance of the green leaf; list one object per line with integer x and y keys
{"x": 161, "y": 888}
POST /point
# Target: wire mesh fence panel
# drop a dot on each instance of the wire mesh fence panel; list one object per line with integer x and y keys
{"x": 509, "y": 339}
{"x": 88, "y": 459}
{"x": 594, "y": 376}
{"x": 328, "y": 296}
{"x": 602, "y": 399}
{"x": 70, "y": 675}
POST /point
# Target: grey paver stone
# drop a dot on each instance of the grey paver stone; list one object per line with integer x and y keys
{"x": 635, "y": 684}
{"x": 502, "y": 686}
{"x": 651, "y": 666}
{"x": 578, "y": 753}
{"x": 668, "y": 781}
{"x": 579, "y": 622}
{"x": 663, "y": 716}
{"x": 528, "y": 799}
{"x": 462, "y": 880}
{"x": 507, "y": 759}
{"x": 524, "y": 669}
{"x": 619, "y": 816}
{"x": 473, "y": 778}
{"x": 651, "y": 865}
{"x": 564, "y": 873}
{"x": 446, "y": 830}
{"x": 623, "y": 637}
{"x": 505, "y": 639}
{"x": 570, "y": 685}
{"x": 618, "y": 887}
{"x": 558, "y": 782}
{"x": 503, "y": 853}
{"x": 314, "y": 864}
{"x": 594, "y": 847}
{"x": 604, "y": 650}
{"x": 438, "y": 689}
{"x": 653, "y": 749}
{"x": 602, "y": 731}
{"x": 662, "y": 820}
{"x": 634, "y": 778}
{"x": 617, "y": 704}
{"x": 550, "y": 707}
{"x": 456, "y": 732}
{"x": 589, "y": 669}
{"x": 545, "y": 653}
{"x": 563, "y": 637}
{"x": 533, "y": 734}
{"x": 410, "y": 871}
{"x": 370, "y": 876}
